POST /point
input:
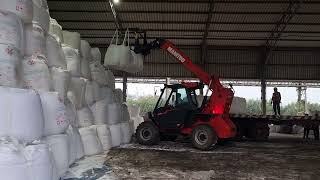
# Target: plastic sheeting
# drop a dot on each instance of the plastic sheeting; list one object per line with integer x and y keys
{"x": 41, "y": 15}
{"x": 116, "y": 135}
{"x": 32, "y": 162}
{"x": 60, "y": 80}
{"x": 9, "y": 59}
{"x": 238, "y": 106}
{"x": 56, "y": 30}
{"x": 96, "y": 54}
{"x": 126, "y": 132}
{"x": 55, "y": 53}
{"x": 36, "y": 74}
{"x": 85, "y": 117}
{"x": 54, "y": 113}
{"x": 22, "y": 8}
{"x": 11, "y": 30}
{"x": 78, "y": 87}
{"x": 35, "y": 40}
{"x": 21, "y": 114}
{"x": 59, "y": 146}
{"x": 71, "y": 39}
{"x": 104, "y": 136}
{"x": 91, "y": 143}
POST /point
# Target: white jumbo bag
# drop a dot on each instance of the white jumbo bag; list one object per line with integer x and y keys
{"x": 72, "y": 145}
{"x": 85, "y": 68}
{"x": 107, "y": 94}
{"x": 21, "y": 114}
{"x": 99, "y": 111}
{"x": 11, "y": 30}
{"x": 78, "y": 87}
{"x": 119, "y": 95}
{"x": 92, "y": 93}
{"x": 72, "y": 39}
{"x": 59, "y": 146}
{"x": 104, "y": 136}
{"x": 98, "y": 73}
{"x": 134, "y": 110}
{"x": 55, "y": 53}
{"x": 136, "y": 63}
{"x": 73, "y": 60}
{"x": 22, "y": 8}
{"x": 56, "y": 30}
{"x": 41, "y": 15}
{"x": 35, "y": 40}
{"x": 110, "y": 78}
{"x": 125, "y": 113}
{"x": 113, "y": 112}
{"x": 116, "y": 135}
{"x": 85, "y": 117}
{"x": 91, "y": 143}
{"x": 85, "y": 50}
{"x": 126, "y": 132}
{"x": 96, "y": 54}
{"x": 41, "y": 164}
{"x": 13, "y": 164}
{"x": 60, "y": 81}
{"x": 9, "y": 66}
{"x": 35, "y": 73}
{"x": 71, "y": 113}
{"x": 54, "y": 113}
{"x": 118, "y": 56}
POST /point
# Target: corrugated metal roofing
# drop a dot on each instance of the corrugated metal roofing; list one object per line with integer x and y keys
{"x": 234, "y": 23}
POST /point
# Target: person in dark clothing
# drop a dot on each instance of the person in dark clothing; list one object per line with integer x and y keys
{"x": 276, "y": 100}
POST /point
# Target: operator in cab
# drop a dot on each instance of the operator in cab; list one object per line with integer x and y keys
{"x": 276, "y": 100}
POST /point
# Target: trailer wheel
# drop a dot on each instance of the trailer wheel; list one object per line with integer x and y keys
{"x": 147, "y": 133}
{"x": 203, "y": 137}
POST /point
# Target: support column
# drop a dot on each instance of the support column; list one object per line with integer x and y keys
{"x": 263, "y": 96}
{"x": 124, "y": 86}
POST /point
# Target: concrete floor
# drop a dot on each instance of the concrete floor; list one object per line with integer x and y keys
{"x": 282, "y": 157}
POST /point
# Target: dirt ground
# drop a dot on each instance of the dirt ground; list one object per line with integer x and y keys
{"x": 282, "y": 157}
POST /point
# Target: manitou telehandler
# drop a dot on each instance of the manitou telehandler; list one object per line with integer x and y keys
{"x": 177, "y": 111}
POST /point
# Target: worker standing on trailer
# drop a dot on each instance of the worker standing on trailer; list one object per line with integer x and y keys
{"x": 276, "y": 100}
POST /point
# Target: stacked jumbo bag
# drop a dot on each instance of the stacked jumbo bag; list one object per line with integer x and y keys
{"x": 121, "y": 57}
{"x": 135, "y": 118}
{"x": 23, "y": 117}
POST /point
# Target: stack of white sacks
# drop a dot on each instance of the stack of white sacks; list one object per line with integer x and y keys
{"x": 47, "y": 93}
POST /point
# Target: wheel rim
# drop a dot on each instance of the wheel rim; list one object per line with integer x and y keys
{"x": 201, "y": 137}
{"x": 146, "y": 134}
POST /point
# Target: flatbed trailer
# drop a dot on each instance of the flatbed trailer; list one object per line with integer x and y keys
{"x": 257, "y": 126}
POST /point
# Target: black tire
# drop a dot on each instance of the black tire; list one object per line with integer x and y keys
{"x": 147, "y": 133}
{"x": 203, "y": 137}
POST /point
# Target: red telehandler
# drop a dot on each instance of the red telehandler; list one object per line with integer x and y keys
{"x": 177, "y": 111}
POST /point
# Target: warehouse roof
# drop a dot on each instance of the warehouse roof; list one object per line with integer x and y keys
{"x": 191, "y": 22}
